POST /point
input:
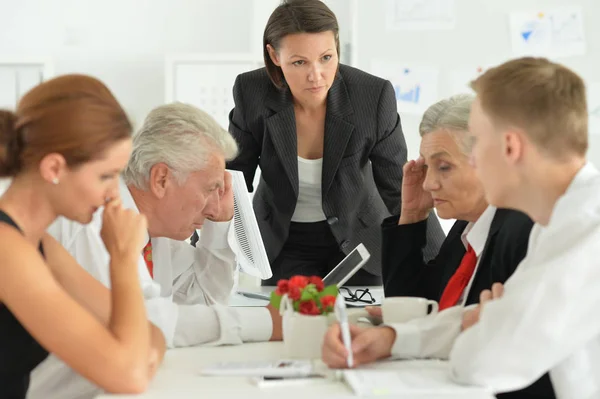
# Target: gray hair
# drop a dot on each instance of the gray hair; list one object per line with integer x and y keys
{"x": 180, "y": 135}
{"x": 451, "y": 114}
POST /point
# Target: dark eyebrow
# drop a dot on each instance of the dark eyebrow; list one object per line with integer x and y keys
{"x": 300, "y": 56}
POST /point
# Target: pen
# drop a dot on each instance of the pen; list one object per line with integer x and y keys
{"x": 255, "y": 295}
{"x": 342, "y": 317}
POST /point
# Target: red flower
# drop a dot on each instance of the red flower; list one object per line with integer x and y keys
{"x": 318, "y": 282}
{"x": 309, "y": 308}
{"x": 282, "y": 287}
{"x": 298, "y": 281}
{"x": 327, "y": 302}
{"x": 294, "y": 293}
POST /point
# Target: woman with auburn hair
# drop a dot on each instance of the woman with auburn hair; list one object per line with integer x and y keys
{"x": 64, "y": 148}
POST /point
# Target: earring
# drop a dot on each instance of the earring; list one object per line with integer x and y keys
{"x": 55, "y": 181}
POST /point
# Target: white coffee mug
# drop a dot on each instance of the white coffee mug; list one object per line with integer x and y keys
{"x": 401, "y": 309}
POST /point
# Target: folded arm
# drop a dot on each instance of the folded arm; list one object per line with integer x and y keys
{"x": 205, "y": 274}
{"x": 92, "y": 337}
{"x": 404, "y": 269}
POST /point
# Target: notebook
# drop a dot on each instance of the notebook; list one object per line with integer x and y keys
{"x": 416, "y": 379}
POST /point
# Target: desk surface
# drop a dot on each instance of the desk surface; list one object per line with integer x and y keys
{"x": 179, "y": 377}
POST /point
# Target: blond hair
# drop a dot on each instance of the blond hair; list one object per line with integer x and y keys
{"x": 545, "y": 99}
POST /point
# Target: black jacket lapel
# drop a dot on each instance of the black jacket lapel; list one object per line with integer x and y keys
{"x": 337, "y": 131}
{"x": 282, "y": 130}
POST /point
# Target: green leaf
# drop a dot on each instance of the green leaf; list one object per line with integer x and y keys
{"x": 275, "y": 300}
{"x": 329, "y": 290}
{"x": 312, "y": 289}
{"x": 297, "y": 306}
{"x": 306, "y": 296}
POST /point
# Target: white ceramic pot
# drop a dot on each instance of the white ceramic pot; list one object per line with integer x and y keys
{"x": 302, "y": 334}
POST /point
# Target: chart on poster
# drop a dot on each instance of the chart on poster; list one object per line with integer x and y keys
{"x": 551, "y": 33}
{"x": 415, "y": 86}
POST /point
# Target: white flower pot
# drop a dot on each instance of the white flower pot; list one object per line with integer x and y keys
{"x": 302, "y": 334}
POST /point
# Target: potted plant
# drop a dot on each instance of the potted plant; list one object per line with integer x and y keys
{"x": 304, "y": 303}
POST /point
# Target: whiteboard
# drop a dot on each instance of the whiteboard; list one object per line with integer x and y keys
{"x": 206, "y": 81}
{"x": 480, "y": 38}
{"x": 18, "y": 76}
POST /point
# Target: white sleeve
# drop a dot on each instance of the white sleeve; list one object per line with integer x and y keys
{"x": 84, "y": 244}
{"x": 221, "y": 325}
{"x": 546, "y": 313}
{"x": 211, "y": 276}
{"x": 428, "y": 337}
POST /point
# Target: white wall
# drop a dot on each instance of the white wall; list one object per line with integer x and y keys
{"x": 481, "y": 37}
{"x": 123, "y": 42}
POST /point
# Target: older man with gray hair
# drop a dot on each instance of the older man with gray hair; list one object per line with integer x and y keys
{"x": 176, "y": 177}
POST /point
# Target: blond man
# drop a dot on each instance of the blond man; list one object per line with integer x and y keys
{"x": 529, "y": 121}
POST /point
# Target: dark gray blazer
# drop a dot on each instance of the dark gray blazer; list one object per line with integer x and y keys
{"x": 364, "y": 150}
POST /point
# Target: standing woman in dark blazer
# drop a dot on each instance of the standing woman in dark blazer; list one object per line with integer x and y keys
{"x": 329, "y": 143}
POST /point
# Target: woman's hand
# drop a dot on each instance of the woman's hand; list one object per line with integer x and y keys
{"x": 123, "y": 231}
{"x": 416, "y": 202}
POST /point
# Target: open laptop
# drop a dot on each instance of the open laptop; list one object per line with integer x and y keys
{"x": 338, "y": 276}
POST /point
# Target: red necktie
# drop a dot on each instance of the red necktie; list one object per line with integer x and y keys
{"x": 148, "y": 258}
{"x": 459, "y": 281}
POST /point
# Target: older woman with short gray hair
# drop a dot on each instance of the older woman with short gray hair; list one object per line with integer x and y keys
{"x": 444, "y": 178}
{"x": 484, "y": 246}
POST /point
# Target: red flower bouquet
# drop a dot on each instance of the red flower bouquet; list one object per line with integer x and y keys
{"x": 308, "y": 295}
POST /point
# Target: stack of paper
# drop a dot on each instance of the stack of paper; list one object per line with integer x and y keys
{"x": 411, "y": 380}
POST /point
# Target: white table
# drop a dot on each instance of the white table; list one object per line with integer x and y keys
{"x": 178, "y": 377}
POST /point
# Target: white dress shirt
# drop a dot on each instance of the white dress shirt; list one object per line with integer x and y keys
{"x": 547, "y": 319}
{"x": 434, "y": 335}
{"x": 187, "y": 299}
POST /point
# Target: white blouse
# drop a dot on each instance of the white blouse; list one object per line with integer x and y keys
{"x": 309, "y": 207}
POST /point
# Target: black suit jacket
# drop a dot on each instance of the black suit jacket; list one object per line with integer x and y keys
{"x": 364, "y": 151}
{"x": 405, "y": 273}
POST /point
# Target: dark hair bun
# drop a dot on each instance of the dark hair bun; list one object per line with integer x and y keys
{"x": 10, "y": 145}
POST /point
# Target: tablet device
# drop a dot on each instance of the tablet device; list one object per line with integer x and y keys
{"x": 348, "y": 266}
{"x": 338, "y": 276}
